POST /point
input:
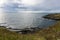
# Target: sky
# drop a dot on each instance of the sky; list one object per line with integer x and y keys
{"x": 30, "y": 5}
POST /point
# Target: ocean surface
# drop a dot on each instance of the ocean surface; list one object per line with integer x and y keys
{"x": 21, "y": 20}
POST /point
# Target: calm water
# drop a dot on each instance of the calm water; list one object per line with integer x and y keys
{"x": 21, "y": 20}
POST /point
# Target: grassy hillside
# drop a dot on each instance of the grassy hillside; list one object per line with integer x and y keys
{"x": 51, "y": 33}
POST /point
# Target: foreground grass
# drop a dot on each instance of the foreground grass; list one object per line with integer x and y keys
{"x": 7, "y": 35}
{"x": 50, "y": 33}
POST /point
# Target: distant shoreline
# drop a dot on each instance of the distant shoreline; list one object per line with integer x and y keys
{"x": 55, "y": 16}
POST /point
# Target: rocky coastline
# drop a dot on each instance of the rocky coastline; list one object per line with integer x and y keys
{"x": 55, "y": 16}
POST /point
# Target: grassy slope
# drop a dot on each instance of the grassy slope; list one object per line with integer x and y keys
{"x": 51, "y": 33}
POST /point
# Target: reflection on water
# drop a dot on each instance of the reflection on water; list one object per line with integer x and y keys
{"x": 20, "y": 20}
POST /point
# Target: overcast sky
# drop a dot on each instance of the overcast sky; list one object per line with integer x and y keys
{"x": 31, "y": 5}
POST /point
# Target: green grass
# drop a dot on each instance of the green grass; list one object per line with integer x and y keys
{"x": 51, "y": 33}
{"x": 7, "y": 35}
